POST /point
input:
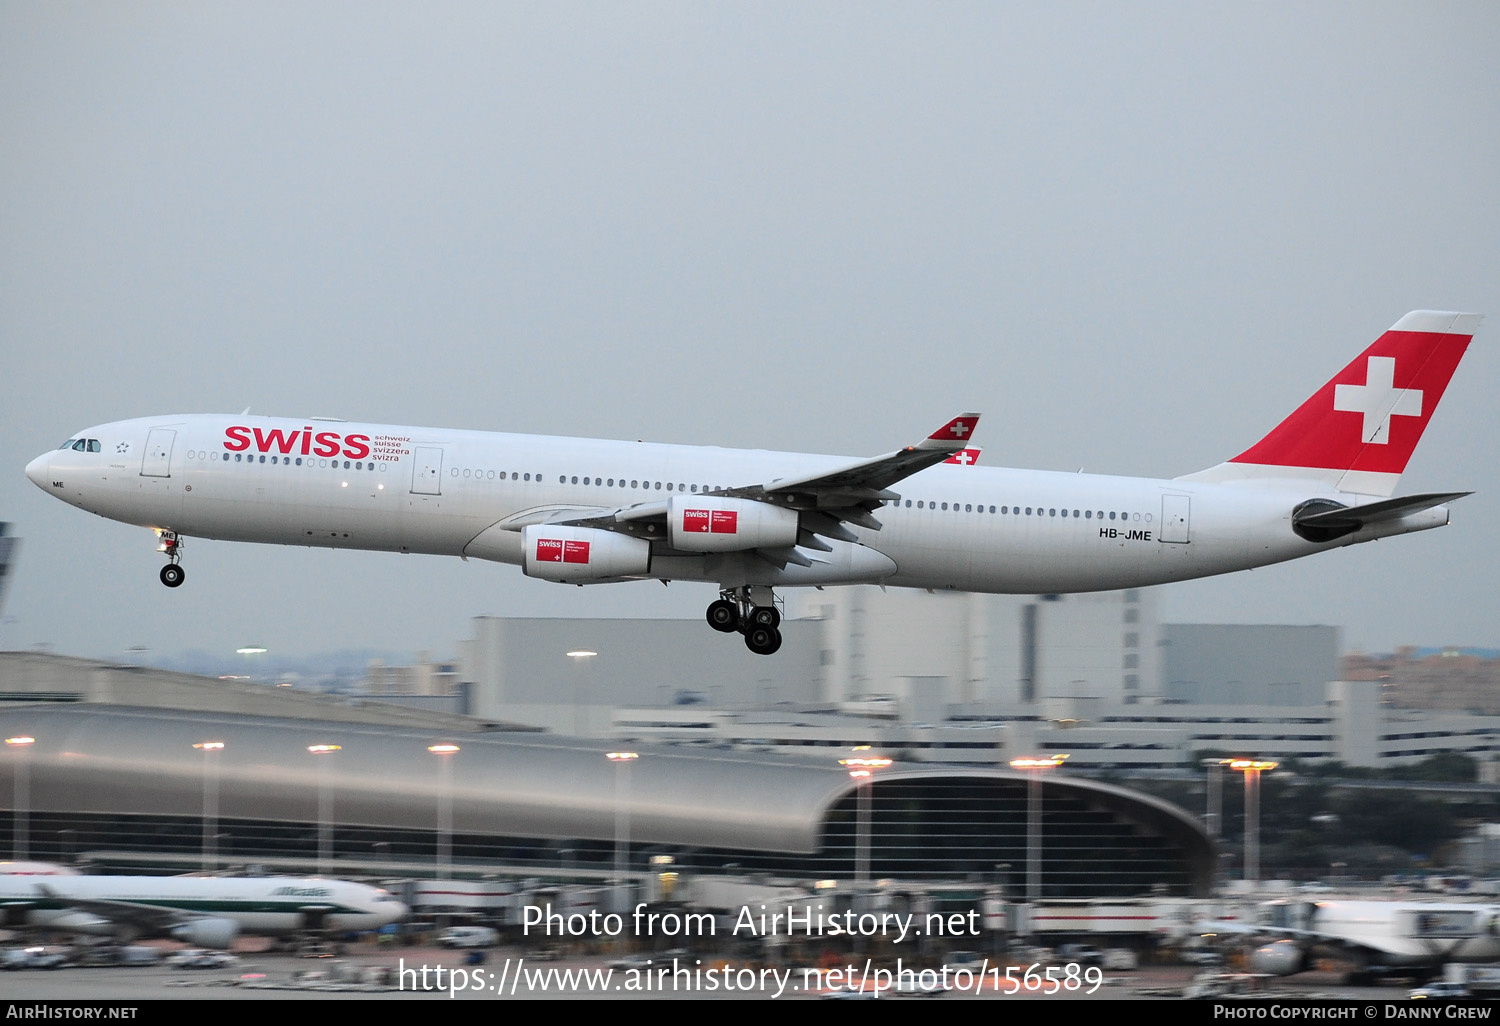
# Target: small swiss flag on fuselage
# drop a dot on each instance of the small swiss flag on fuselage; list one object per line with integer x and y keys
{"x": 965, "y": 457}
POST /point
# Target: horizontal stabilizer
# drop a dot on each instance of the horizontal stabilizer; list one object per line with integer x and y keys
{"x": 1372, "y": 512}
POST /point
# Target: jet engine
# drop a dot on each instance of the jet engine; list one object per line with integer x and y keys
{"x": 1279, "y": 958}
{"x": 706, "y": 523}
{"x": 575, "y": 555}
{"x": 207, "y": 933}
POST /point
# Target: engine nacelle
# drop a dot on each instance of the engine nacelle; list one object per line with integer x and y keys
{"x": 207, "y": 933}
{"x": 576, "y": 554}
{"x": 709, "y": 523}
{"x": 1279, "y": 958}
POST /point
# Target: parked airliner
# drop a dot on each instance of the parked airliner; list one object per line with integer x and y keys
{"x": 1379, "y": 936}
{"x": 583, "y": 511}
{"x": 206, "y": 911}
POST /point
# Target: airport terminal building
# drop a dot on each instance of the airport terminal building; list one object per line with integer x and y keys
{"x": 125, "y": 785}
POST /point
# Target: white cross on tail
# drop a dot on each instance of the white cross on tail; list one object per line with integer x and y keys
{"x": 1378, "y": 399}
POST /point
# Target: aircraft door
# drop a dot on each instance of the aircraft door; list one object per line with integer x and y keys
{"x": 427, "y": 470}
{"x": 157, "y": 460}
{"x": 1175, "y": 510}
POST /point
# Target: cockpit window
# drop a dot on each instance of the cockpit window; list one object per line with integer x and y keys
{"x": 93, "y": 445}
{"x": 81, "y": 445}
{"x": 67, "y": 445}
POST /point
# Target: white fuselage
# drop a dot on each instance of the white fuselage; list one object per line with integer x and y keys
{"x": 467, "y": 493}
{"x": 257, "y": 905}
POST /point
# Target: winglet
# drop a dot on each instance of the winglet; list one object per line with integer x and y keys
{"x": 953, "y": 435}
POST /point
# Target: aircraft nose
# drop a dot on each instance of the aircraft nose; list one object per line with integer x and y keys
{"x": 38, "y": 469}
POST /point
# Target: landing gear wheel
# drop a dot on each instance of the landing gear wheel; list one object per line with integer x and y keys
{"x": 724, "y": 616}
{"x": 172, "y": 575}
{"x": 765, "y": 616}
{"x": 762, "y": 640}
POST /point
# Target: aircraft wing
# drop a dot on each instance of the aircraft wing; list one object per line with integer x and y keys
{"x": 826, "y": 499}
{"x": 143, "y": 919}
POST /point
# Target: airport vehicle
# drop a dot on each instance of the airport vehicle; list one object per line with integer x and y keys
{"x": 1381, "y": 937}
{"x": 581, "y": 511}
{"x": 468, "y": 937}
{"x": 204, "y": 911}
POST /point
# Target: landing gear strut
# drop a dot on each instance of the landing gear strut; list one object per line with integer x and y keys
{"x": 172, "y": 575}
{"x": 750, "y": 611}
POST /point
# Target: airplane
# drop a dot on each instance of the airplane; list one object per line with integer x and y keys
{"x": 24, "y": 868}
{"x": 1381, "y": 937}
{"x": 204, "y": 911}
{"x": 584, "y": 511}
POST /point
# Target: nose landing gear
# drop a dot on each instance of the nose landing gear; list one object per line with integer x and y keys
{"x": 172, "y": 575}
{"x": 750, "y": 611}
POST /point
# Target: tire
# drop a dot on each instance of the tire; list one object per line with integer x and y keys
{"x": 765, "y": 616}
{"x": 723, "y": 616}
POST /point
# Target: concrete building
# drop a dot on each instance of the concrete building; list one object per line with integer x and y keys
{"x": 911, "y": 651}
{"x": 1456, "y": 679}
{"x": 953, "y": 648}
{"x": 1248, "y": 664}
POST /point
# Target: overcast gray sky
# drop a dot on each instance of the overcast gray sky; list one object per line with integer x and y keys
{"x": 1134, "y": 235}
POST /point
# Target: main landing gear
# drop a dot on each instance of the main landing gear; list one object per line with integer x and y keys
{"x": 172, "y": 575}
{"x": 752, "y": 612}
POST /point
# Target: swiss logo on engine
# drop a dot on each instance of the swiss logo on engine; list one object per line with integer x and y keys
{"x": 717, "y": 521}
{"x": 555, "y": 550}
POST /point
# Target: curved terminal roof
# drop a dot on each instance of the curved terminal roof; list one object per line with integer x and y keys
{"x": 99, "y": 759}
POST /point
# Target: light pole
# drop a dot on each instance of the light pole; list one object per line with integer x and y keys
{"x": 445, "y": 750}
{"x": 1252, "y": 768}
{"x": 1034, "y": 767}
{"x": 580, "y": 657}
{"x": 20, "y": 745}
{"x": 622, "y": 761}
{"x": 325, "y": 806}
{"x": 862, "y": 769}
{"x": 1213, "y": 816}
{"x": 210, "y": 750}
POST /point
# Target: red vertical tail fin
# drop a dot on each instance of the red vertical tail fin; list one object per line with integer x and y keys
{"x": 1357, "y": 432}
